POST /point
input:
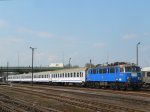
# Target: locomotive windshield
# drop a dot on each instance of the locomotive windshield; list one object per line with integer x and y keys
{"x": 132, "y": 69}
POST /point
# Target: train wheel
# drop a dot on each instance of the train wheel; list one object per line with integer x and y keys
{"x": 123, "y": 87}
{"x": 113, "y": 86}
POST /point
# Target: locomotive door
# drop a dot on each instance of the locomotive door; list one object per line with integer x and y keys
{"x": 117, "y": 74}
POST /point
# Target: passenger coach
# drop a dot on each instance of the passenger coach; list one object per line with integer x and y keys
{"x": 146, "y": 76}
{"x": 69, "y": 76}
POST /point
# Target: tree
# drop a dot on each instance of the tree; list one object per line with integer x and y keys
{"x": 89, "y": 65}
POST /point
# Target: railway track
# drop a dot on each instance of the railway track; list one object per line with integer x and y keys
{"x": 143, "y": 93}
{"x": 12, "y": 104}
{"x": 91, "y": 105}
{"x": 103, "y": 96}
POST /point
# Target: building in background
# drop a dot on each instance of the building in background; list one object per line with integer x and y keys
{"x": 60, "y": 65}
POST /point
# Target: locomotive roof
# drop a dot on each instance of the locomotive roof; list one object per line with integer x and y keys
{"x": 123, "y": 65}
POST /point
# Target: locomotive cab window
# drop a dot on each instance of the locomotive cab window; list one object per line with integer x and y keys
{"x": 128, "y": 69}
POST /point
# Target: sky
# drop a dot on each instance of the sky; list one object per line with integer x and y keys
{"x": 100, "y": 30}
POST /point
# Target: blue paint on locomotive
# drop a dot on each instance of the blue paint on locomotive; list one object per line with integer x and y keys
{"x": 114, "y": 74}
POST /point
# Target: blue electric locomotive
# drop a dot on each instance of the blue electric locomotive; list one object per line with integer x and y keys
{"x": 122, "y": 76}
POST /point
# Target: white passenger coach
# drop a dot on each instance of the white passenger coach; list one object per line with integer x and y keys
{"x": 73, "y": 75}
{"x": 146, "y": 75}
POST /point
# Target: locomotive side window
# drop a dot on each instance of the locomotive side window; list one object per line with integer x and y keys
{"x": 94, "y": 71}
{"x": 104, "y": 70}
{"x": 112, "y": 70}
{"x": 90, "y": 71}
{"x": 116, "y": 69}
{"x": 100, "y": 71}
{"x": 121, "y": 70}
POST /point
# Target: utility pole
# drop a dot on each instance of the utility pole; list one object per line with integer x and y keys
{"x": 32, "y": 61}
{"x": 7, "y": 73}
{"x": 137, "y": 52}
{"x": 69, "y": 62}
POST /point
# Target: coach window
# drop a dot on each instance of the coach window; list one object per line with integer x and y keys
{"x": 148, "y": 74}
{"x": 74, "y": 74}
{"x": 68, "y": 75}
{"x": 71, "y": 74}
{"x": 80, "y": 74}
{"x": 77, "y": 74}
